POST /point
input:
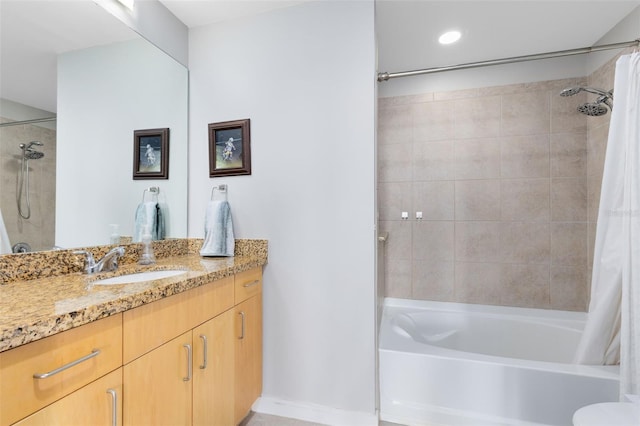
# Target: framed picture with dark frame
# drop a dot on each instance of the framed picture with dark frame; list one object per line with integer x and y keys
{"x": 151, "y": 154}
{"x": 230, "y": 148}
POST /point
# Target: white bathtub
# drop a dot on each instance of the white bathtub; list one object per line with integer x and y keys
{"x": 459, "y": 364}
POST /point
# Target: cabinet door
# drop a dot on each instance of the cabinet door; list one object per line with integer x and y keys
{"x": 95, "y": 404}
{"x": 248, "y": 347}
{"x": 149, "y": 326}
{"x": 213, "y": 372}
{"x": 158, "y": 385}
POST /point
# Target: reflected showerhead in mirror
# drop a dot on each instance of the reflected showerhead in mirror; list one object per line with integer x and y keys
{"x": 32, "y": 154}
{"x": 29, "y": 153}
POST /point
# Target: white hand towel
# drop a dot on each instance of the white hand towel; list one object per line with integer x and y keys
{"x": 218, "y": 230}
{"x": 5, "y": 244}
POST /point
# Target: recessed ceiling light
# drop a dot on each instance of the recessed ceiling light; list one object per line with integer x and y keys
{"x": 449, "y": 37}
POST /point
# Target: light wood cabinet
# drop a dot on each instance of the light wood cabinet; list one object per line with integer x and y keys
{"x": 219, "y": 391}
{"x": 194, "y": 358}
{"x": 248, "y": 355}
{"x": 39, "y": 373}
{"x": 98, "y": 403}
{"x": 188, "y": 380}
{"x": 158, "y": 385}
{"x": 213, "y": 380}
{"x": 149, "y": 326}
{"x": 248, "y": 342}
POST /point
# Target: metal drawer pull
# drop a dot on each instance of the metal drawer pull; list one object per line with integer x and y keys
{"x": 114, "y": 406}
{"x": 251, "y": 284}
{"x": 93, "y": 353}
{"x": 242, "y": 328}
{"x": 204, "y": 351}
{"x": 189, "y": 364}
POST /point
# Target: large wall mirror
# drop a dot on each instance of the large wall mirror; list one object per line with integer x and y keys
{"x": 100, "y": 81}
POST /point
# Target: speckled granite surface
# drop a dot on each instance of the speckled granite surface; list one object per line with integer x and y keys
{"x": 36, "y": 308}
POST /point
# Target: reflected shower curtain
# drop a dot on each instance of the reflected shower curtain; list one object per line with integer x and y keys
{"x": 612, "y": 332}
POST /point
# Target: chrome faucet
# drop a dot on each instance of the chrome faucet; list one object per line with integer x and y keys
{"x": 109, "y": 261}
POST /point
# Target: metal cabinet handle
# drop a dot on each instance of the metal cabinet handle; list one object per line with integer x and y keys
{"x": 251, "y": 284}
{"x": 242, "y": 326}
{"x": 93, "y": 353}
{"x": 114, "y": 406}
{"x": 189, "y": 362}
{"x": 204, "y": 351}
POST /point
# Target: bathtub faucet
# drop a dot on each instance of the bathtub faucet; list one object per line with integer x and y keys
{"x": 109, "y": 261}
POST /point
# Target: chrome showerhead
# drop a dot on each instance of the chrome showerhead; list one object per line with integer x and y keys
{"x": 594, "y": 109}
{"x": 29, "y": 153}
{"x": 32, "y": 154}
{"x": 570, "y": 91}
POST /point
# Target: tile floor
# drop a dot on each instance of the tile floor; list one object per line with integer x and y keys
{"x": 259, "y": 419}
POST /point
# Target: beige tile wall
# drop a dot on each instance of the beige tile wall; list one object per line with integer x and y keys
{"x": 38, "y": 231}
{"x": 507, "y": 179}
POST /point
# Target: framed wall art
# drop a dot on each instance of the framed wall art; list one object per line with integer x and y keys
{"x": 151, "y": 154}
{"x": 230, "y": 148}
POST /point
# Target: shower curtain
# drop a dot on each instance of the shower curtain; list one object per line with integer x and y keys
{"x": 612, "y": 332}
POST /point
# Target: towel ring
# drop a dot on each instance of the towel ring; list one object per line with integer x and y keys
{"x": 154, "y": 190}
{"x": 222, "y": 189}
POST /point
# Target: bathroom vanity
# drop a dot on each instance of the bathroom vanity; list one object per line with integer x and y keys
{"x": 180, "y": 350}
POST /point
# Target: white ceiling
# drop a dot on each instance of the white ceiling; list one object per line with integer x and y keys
{"x": 195, "y": 13}
{"x": 406, "y": 32}
{"x": 32, "y": 35}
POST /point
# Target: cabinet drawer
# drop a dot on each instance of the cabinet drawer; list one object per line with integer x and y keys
{"x": 93, "y": 404}
{"x": 248, "y": 284}
{"x": 151, "y": 325}
{"x": 23, "y": 394}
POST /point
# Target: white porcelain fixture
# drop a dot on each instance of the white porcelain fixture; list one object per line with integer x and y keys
{"x": 139, "y": 277}
{"x": 608, "y": 413}
{"x": 459, "y": 364}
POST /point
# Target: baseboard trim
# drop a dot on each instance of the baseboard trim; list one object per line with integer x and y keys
{"x": 314, "y": 413}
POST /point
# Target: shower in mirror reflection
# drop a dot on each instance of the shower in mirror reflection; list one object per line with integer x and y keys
{"x": 22, "y": 190}
{"x": 595, "y": 108}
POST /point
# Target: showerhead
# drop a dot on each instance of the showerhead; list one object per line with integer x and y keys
{"x": 29, "y": 153}
{"x": 594, "y": 109}
{"x": 570, "y": 91}
{"x": 32, "y": 154}
{"x": 25, "y": 147}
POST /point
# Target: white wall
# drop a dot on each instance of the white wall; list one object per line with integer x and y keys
{"x": 626, "y": 30}
{"x": 305, "y": 76}
{"x": 104, "y": 94}
{"x": 17, "y": 112}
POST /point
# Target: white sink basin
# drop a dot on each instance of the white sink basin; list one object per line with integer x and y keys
{"x": 139, "y": 277}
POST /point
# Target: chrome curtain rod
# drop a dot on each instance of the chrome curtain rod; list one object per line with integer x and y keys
{"x": 35, "y": 120}
{"x": 384, "y": 76}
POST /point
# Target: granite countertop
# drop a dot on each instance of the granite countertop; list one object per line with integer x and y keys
{"x": 34, "y": 309}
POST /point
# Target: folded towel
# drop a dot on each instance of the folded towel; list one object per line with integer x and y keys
{"x": 5, "y": 244}
{"x": 218, "y": 230}
{"x": 149, "y": 214}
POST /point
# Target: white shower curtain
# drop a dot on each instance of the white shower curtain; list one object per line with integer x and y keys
{"x": 5, "y": 244}
{"x": 612, "y": 332}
